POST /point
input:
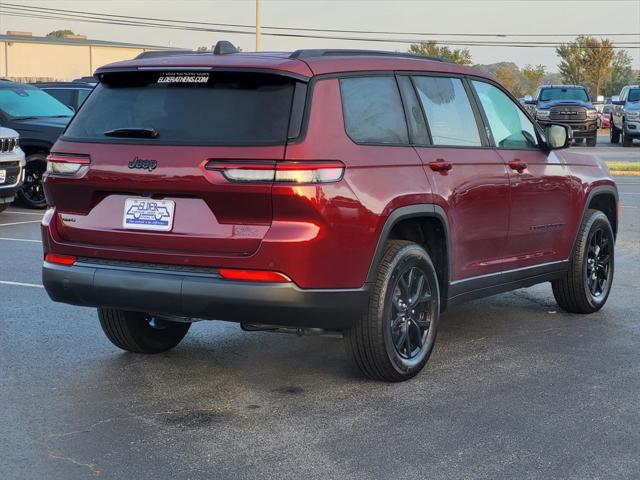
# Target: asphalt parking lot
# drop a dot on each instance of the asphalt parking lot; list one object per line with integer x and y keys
{"x": 515, "y": 389}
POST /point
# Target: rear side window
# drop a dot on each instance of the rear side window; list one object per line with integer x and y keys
{"x": 208, "y": 108}
{"x": 449, "y": 114}
{"x": 373, "y": 110}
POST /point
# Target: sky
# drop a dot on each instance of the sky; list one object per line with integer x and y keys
{"x": 563, "y": 19}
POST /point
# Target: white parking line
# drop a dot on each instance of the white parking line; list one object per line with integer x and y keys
{"x": 23, "y": 213}
{"x": 20, "y": 284}
{"x": 20, "y": 240}
{"x": 18, "y": 223}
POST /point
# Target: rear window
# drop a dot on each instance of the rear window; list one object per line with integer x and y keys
{"x": 204, "y": 108}
{"x": 373, "y": 110}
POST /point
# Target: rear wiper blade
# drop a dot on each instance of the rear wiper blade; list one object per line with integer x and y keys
{"x": 132, "y": 132}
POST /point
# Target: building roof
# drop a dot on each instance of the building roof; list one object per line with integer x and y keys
{"x": 76, "y": 41}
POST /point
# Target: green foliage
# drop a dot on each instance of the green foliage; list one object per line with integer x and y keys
{"x": 509, "y": 77}
{"x": 531, "y": 78}
{"x": 60, "y": 33}
{"x": 461, "y": 56}
{"x": 592, "y": 62}
{"x": 621, "y": 73}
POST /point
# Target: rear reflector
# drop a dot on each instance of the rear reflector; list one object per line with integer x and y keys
{"x": 65, "y": 260}
{"x": 252, "y": 275}
{"x": 286, "y": 172}
{"x": 66, "y": 163}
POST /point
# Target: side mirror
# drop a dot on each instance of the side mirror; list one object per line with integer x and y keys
{"x": 558, "y": 136}
{"x": 528, "y": 100}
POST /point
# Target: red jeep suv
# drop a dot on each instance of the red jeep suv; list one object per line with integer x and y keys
{"x": 359, "y": 192}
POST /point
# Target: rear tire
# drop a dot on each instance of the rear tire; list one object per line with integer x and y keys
{"x": 140, "y": 332}
{"x": 592, "y": 141}
{"x": 587, "y": 284}
{"x": 393, "y": 339}
{"x": 614, "y": 134}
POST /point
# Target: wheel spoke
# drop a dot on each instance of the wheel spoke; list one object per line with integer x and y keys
{"x": 408, "y": 342}
{"x": 416, "y": 296}
{"x": 401, "y": 339}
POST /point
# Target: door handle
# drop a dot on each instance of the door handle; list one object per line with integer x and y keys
{"x": 517, "y": 165}
{"x": 440, "y": 165}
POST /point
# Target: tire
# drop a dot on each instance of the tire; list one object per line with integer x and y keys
{"x": 405, "y": 276}
{"x": 592, "y": 141}
{"x": 31, "y": 194}
{"x": 140, "y": 332}
{"x": 614, "y": 134}
{"x": 627, "y": 140}
{"x": 574, "y": 292}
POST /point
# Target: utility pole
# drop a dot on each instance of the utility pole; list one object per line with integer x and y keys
{"x": 257, "y": 25}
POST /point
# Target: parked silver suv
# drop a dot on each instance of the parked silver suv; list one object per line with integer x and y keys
{"x": 11, "y": 166}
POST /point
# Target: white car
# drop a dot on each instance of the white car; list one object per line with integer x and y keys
{"x": 11, "y": 166}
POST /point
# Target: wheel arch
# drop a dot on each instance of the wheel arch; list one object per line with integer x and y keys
{"x": 605, "y": 199}
{"x": 427, "y": 225}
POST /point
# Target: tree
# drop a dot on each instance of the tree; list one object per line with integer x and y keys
{"x": 60, "y": 33}
{"x": 509, "y": 77}
{"x": 532, "y": 78}
{"x": 621, "y": 73}
{"x": 598, "y": 57}
{"x": 460, "y": 56}
{"x": 587, "y": 61}
{"x": 572, "y": 62}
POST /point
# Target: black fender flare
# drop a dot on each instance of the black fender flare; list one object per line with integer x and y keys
{"x": 414, "y": 211}
{"x": 595, "y": 191}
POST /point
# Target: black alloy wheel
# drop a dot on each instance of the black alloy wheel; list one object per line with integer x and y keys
{"x": 598, "y": 263}
{"x": 32, "y": 192}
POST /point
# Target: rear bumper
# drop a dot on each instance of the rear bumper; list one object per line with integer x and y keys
{"x": 202, "y": 296}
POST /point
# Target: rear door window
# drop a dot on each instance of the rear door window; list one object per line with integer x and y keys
{"x": 204, "y": 108}
{"x": 373, "y": 110}
{"x": 448, "y": 110}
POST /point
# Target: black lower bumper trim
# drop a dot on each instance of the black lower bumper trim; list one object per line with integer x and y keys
{"x": 203, "y": 296}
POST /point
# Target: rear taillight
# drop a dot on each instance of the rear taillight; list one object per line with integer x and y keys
{"x": 253, "y": 275}
{"x": 66, "y": 163}
{"x": 65, "y": 260}
{"x": 285, "y": 172}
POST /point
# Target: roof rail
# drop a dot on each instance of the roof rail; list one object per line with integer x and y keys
{"x": 310, "y": 53}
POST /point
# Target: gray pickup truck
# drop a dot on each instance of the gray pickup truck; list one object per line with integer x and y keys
{"x": 625, "y": 118}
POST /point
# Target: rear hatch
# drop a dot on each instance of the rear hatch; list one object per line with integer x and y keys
{"x": 148, "y": 143}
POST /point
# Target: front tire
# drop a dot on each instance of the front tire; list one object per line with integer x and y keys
{"x": 393, "y": 339}
{"x": 627, "y": 140}
{"x": 592, "y": 141}
{"x": 587, "y": 284}
{"x": 31, "y": 194}
{"x": 141, "y": 332}
{"x": 614, "y": 134}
